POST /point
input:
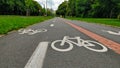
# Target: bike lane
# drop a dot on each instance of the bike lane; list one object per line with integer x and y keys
{"x": 78, "y": 57}
{"x": 16, "y": 49}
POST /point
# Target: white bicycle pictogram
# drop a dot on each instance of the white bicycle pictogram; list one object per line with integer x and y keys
{"x": 31, "y": 31}
{"x": 80, "y": 42}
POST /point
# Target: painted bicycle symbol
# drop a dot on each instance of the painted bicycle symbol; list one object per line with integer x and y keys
{"x": 80, "y": 42}
{"x": 31, "y": 31}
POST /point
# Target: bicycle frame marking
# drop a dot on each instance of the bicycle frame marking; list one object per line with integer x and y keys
{"x": 80, "y": 42}
{"x": 68, "y": 39}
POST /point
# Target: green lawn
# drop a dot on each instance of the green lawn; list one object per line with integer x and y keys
{"x": 106, "y": 21}
{"x": 9, "y": 23}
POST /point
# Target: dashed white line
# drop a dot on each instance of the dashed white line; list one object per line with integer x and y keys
{"x": 51, "y": 25}
{"x": 36, "y": 60}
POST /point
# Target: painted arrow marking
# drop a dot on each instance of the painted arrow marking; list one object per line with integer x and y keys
{"x": 112, "y": 32}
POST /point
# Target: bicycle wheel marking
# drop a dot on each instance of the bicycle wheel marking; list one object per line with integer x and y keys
{"x": 88, "y": 41}
{"x": 109, "y": 43}
{"x": 61, "y": 50}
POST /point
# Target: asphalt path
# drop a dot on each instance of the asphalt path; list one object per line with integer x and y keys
{"x": 16, "y": 49}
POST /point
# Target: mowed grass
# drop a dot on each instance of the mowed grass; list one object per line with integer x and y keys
{"x": 9, "y": 23}
{"x": 106, "y": 21}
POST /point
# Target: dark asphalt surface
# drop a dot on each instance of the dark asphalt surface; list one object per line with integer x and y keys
{"x": 16, "y": 49}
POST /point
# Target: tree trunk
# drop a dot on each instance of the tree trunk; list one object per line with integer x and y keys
{"x": 118, "y": 16}
{"x": 27, "y": 12}
{"x": 111, "y": 13}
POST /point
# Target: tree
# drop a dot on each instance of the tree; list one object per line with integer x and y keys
{"x": 19, "y": 7}
{"x": 28, "y": 4}
{"x": 71, "y": 8}
{"x": 62, "y": 9}
{"x": 82, "y": 8}
{"x": 91, "y": 8}
{"x": 105, "y": 8}
{"x": 35, "y": 8}
{"x": 6, "y": 6}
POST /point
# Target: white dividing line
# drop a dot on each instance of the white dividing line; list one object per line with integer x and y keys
{"x": 51, "y": 25}
{"x": 36, "y": 60}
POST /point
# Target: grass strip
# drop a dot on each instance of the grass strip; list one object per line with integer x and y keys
{"x": 106, "y": 21}
{"x": 9, "y": 23}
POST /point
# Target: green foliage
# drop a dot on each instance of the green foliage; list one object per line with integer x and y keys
{"x": 82, "y": 8}
{"x": 62, "y": 9}
{"x": 50, "y": 12}
{"x": 35, "y": 9}
{"x": 72, "y": 7}
{"x": 19, "y": 7}
{"x": 92, "y": 8}
{"x": 106, "y": 9}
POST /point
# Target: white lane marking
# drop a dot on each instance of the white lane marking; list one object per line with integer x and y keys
{"x": 51, "y": 25}
{"x": 111, "y": 32}
{"x": 36, "y": 60}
